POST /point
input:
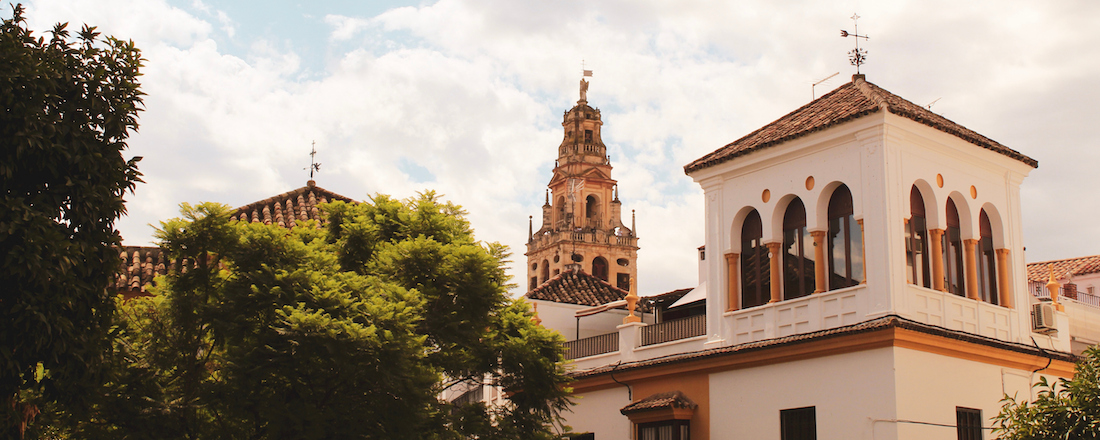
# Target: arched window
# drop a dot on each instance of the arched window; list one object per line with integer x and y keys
{"x": 845, "y": 251}
{"x": 953, "y": 264}
{"x": 987, "y": 262}
{"x": 599, "y": 268}
{"x": 798, "y": 257}
{"x": 756, "y": 285}
{"x": 545, "y": 271}
{"x": 592, "y": 211}
{"x": 561, "y": 211}
{"x": 916, "y": 243}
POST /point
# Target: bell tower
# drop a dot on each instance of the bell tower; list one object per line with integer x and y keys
{"x": 582, "y": 227}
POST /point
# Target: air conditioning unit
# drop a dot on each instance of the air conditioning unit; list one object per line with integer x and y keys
{"x": 1042, "y": 318}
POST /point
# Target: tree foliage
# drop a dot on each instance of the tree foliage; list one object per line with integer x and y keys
{"x": 69, "y": 107}
{"x": 1066, "y": 409}
{"x": 350, "y": 331}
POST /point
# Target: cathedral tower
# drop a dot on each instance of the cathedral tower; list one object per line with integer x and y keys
{"x": 581, "y": 220}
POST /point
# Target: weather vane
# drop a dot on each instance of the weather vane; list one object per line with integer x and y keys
{"x": 313, "y": 165}
{"x": 857, "y": 56}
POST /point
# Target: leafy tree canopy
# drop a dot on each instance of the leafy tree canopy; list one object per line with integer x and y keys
{"x": 348, "y": 331}
{"x": 1066, "y": 409}
{"x": 69, "y": 107}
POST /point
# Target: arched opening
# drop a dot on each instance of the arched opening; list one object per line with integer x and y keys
{"x": 592, "y": 211}
{"x": 561, "y": 211}
{"x": 545, "y": 271}
{"x": 987, "y": 261}
{"x": 953, "y": 263}
{"x": 845, "y": 244}
{"x": 918, "y": 268}
{"x": 798, "y": 259}
{"x": 755, "y": 266}
{"x": 599, "y": 268}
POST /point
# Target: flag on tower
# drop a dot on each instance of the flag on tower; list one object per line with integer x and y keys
{"x": 587, "y": 73}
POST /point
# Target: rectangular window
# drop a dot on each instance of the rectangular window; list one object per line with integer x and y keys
{"x": 969, "y": 423}
{"x": 622, "y": 281}
{"x": 798, "y": 424}
{"x": 667, "y": 430}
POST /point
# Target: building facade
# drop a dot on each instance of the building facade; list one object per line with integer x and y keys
{"x": 866, "y": 280}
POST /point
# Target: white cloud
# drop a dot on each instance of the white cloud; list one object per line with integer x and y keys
{"x": 472, "y": 92}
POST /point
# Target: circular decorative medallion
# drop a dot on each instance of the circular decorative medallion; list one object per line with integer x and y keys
{"x": 810, "y": 183}
{"x": 767, "y": 195}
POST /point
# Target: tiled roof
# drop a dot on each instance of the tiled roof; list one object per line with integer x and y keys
{"x": 1074, "y": 266}
{"x": 850, "y": 101}
{"x": 290, "y": 207}
{"x": 671, "y": 399}
{"x": 883, "y": 323}
{"x": 141, "y": 263}
{"x": 138, "y": 267}
{"x": 572, "y": 287}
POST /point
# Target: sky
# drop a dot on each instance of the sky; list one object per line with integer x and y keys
{"x": 465, "y": 97}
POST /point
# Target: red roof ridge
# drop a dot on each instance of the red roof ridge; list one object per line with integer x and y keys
{"x": 850, "y": 101}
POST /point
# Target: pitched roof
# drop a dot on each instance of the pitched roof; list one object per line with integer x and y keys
{"x": 577, "y": 287}
{"x": 290, "y": 207}
{"x": 671, "y": 399}
{"x": 877, "y": 324}
{"x": 848, "y": 102}
{"x": 138, "y": 266}
{"x": 1037, "y": 272}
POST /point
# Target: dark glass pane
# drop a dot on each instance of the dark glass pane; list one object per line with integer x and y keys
{"x": 798, "y": 424}
{"x": 969, "y": 423}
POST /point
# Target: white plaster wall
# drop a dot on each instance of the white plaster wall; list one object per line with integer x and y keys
{"x": 598, "y": 412}
{"x": 931, "y": 386}
{"x": 847, "y": 391}
{"x": 879, "y": 158}
{"x": 561, "y": 317}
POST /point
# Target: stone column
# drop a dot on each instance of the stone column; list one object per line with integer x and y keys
{"x": 1002, "y": 278}
{"x": 971, "y": 269}
{"x": 777, "y": 291}
{"x": 732, "y": 292}
{"x": 863, "y": 250}
{"x": 819, "y": 260}
{"x": 935, "y": 238}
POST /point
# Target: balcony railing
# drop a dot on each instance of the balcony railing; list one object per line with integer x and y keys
{"x": 592, "y": 346}
{"x": 1039, "y": 290}
{"x": 673, "y": 330}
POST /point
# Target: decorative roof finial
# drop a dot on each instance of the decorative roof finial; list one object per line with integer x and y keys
{"x": 313, "y": 165}
{"x": 530, "y": 228}
{"x": 857, "y": 56}
{"x": 584, "y": 84}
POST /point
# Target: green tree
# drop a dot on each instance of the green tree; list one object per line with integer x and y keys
{"x": 69, "y": 107}
{"x": 350, "y": 331}
{"x": 1066, "y": 409}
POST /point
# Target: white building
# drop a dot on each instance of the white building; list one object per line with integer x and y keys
{"x": 865, "y": 263}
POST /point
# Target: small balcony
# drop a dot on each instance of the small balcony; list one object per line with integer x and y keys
{"x": 592, "y": 346}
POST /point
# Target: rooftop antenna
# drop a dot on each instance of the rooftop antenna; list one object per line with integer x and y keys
{"x": 813, "y": 88}
{"x": 857, "y": 56}
{"x": 313, "y": 165}
{"x": 930, "y": 104}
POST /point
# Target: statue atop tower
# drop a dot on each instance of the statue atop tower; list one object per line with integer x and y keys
{"x": 582, "y": 225}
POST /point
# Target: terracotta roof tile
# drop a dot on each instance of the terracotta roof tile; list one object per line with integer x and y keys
{"x": 883, "y": 323}
{"x": 289, "y": 208}
{"x": 671, "y": 399}
{"x": 1038, "y": 272}
{"x": 850, "y": 101}
{"x": 579, "y": 288}
{"x": 140, "y": 264}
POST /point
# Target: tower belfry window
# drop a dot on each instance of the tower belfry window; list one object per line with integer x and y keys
{"x": 588, "y": 135}
{"x": 916, "y": 243}
{"x": 845, "y": 244}
{"x": 755, "y": 268}
{"x": 987, "y": 261}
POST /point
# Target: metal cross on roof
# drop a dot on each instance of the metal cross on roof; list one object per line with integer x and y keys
{"x": 313, "y": 165}
{"x": 857, "y": 56}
